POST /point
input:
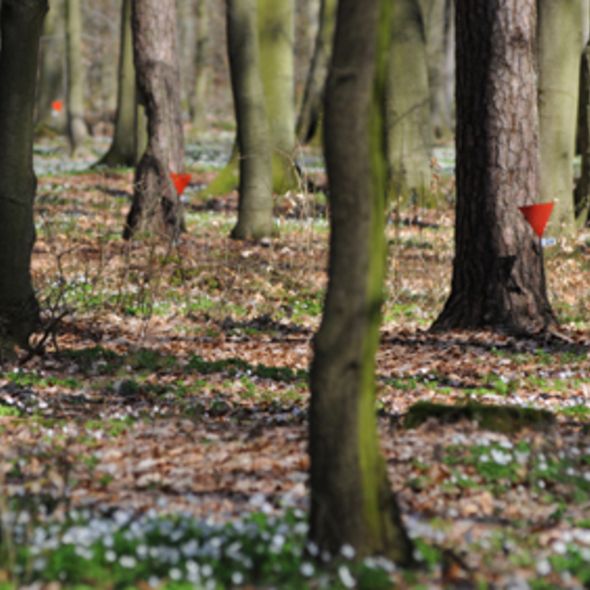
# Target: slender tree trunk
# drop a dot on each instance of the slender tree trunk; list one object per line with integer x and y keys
{"x": 156, "y": 206}
{"x": 21, "y": 23}
{"x": 126, "y": 147}
{"x": 561, "y": 42}
{"x": 77, "y": 130}
{"x": 255, "y": 218}
{"x": 311, "y": 106}
{"x": 582, "y": 190}
{"x": 408, "y": 103}
{"x": 202, "y": 66}
{"x": 277, "y": 66}
{"x": 51, "y": 69}
{"x": 498, "y": 277}
{"x": 351, "y": 498}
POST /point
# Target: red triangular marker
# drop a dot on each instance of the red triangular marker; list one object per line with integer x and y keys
{"x": 537, "y": 215}
{"x": 180, "y": 181}
{"x": 57, "y": 105}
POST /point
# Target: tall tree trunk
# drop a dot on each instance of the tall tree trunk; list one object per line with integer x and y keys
{"x": 351, "y": 497}
{"x": 126, "y": 147}
{"x": 21, "y": 23}
{"x": 255, "y": 218}
{"x": 436, "y": 16}
{"x": 582, "y": 190}
{"x": 156, "y": 206}
{"x": 202, "y": 66}
{"x": 77, "y": 131}
{"x": 277, "y": 65}
{"x": 408, "y": 103}
{"x": 561, "y": 42}
{"x": 311, "y": 106}
{"x": 51, "y": 69}
{"x": 498, "y": 277}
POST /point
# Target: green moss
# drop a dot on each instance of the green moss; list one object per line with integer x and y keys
{"x": 490, "y": 417}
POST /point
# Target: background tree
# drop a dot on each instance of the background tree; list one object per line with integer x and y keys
{"x": 313, "y": 95}
{"x": 351, "y": 498}
{"x": 202, "y": 50}
{"x": 129, "y": 137}
{"x": 408, "y": 102}
{"x": 255, "y": 218}
{"x": 77, "y": 130}
{"x": 498, "y": 276}
{"x": 156, "y": 206}
{"x": 21, "y": 22}
{"x": 562, "y": 36}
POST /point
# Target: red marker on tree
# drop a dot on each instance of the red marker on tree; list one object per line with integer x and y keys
{"x": 537, "y": 216}
{"x": 57, "y": 106}
{"x": 180, "y": 181}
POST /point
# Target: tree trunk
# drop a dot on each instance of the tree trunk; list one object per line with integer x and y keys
{"x": 351, "y": 498}
{"x": 255, "y": 218}
{"x": 51, "y": 70}
{"x": 498, "y": 277}
{"x": 202, "y": 66}
{"x": 582, "y": 191}
{"x": 21, "y": 22}
{"x": 156, "y": 206}
{"x": 561, "y": 42}
{"x": 436, "y": 16}
{"x": 277, "y": 66}
{"x": 126, "y": 148}
{"x": 77, "y": 130}
{"x": 311, "y": 106}
{"x": 408, "y": 103}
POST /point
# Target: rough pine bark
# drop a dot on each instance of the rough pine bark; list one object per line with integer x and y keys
{"x": 255, "y": 218}
{"x": 351, "y": 497}
{"x": 21, "y": 22}
{"x": 498, "y": 276}
{"x": 156, "y": 206}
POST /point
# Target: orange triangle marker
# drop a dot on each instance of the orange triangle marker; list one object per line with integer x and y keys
{"x": 57, "y": 106}
{"x": 180, "y": 181}
{"x": 537, "y": 215}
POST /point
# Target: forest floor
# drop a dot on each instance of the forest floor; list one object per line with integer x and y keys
{"x": 175, "y": 383}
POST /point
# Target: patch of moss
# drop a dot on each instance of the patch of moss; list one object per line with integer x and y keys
{"x": 490, "y": 417}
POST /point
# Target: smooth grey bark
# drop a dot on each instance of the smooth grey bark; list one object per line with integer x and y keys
{"x": 408, "y": 103}
{"x": 498, "y": 276}
{"x": 561, "y": 42}
{"x": 351, "y": 497}
{"x": 156, "y": 207}
{"x": 76, "y": 128}
{"x": 21, "y": 24}
{"x": 313, "y": 95}
{"x": 128, "y": 142}
{"x": 255, "y": 219}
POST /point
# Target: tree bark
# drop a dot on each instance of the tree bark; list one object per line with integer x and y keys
{"x": 77, "y": 130}
{"x": 255, "y": 219}
{"x": 498, "y": 276}
{"x": 21, "y": 23}
{"x": 351, "y": 498}
{"x": 202, "y": 66}
{"x": 408, "y": 103}
{"x": 156, "y": 206}
{"x": 126, "y": 147}
{"x": 561, "y": 42}
{"x": 277, "y": 66}
{"x": 582, "y": 190}
{"x": 313, "y": 95}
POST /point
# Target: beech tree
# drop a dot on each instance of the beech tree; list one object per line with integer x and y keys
{"x": 156, "y": 206}
{"x": 76, "y": 126}
{"x": 21, "y": 23}
{"x": 130, "y": 134}
{"x": 255, "y": 219}
{"x": 498, "y": 276}
{"x": 351, "y": 497}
